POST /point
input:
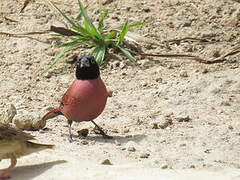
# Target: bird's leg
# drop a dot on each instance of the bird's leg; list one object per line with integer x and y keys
{"x": 101, "y": 131}
{"x": 5, "y": 173}
{"x": 69, "y": 131}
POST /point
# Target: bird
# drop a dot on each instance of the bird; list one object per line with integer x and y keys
{"x": 86, "y": 97}
{"x": 15, "y": 143}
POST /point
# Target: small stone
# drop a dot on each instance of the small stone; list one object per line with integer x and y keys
{"x": 184, "y": 74}
{"x": 126, "y": 130}
{"x": 115, "y": 64}
{"x": 216, "y": 54}
{"x": 159, "y": 80}
{"x": 168, "y": 114}
{"x": 207, "y": 151}
{"x": 167, "y": 122}
{"x": 230, "y": 127}
{"x": 106, "y": 162}
{"x": 192, "y": 166}
{"x": 117, "y": 143}
{"x": 143, "y": 62}
{"x": 155, "y": 126}
{"x": 83, "y": 132}
{"x": 131, "y": 149}
{"x": 204, "y": 71}
{"x": 164, "y": 166}
{"x": 184, "y": 119}
{"x": 115, "y": 131}
{"x": 84, "y": 142}
{"x": 225, "y": 103}
{"x": 183, "y": 145}
{"x": 7, "y": 114}
{"x": 47, "y": 75}
{"x": 144, "y": 155}
{"x": 144, "y": 84}
{"x": 147, "y": 10}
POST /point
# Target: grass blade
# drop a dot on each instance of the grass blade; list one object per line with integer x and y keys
{"x": 126, "y": 53}
{"x": 80, "y": 15}
{"x": 103, "y": 15}
{"x": 110, "y": 35}
{"x": 136, "y": 25}
{"x": 99, "y": 53}
{"x": 88, "y": 21}
{"x": 64, "y": 15}
{"x": 123, "y": 33}
{"x": 57, "y": 58}
{"x": 73, "y": 43}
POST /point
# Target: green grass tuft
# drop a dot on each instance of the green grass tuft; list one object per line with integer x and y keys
{"x": 97, "y": 37}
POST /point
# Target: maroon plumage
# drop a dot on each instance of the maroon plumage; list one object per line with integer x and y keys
{"x": 86, "y": 98}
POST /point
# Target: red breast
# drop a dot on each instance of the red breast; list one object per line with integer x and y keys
{"x": 84, "y": 100}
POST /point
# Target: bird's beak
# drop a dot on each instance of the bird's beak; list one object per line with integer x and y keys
{"x": 84, "y": 63}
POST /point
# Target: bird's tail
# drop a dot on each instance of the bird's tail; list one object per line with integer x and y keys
{"x": 35, "y": 147}
{"x": 51, "y": 114}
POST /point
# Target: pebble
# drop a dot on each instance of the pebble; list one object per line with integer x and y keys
{"x": 230, "y": 127}
{"x": 192, "y": 166}
{"x": 131, "y": 149}
{"x": 106, "y": 162}
{"x": 47, "y": 75}
{"x": 184, "y": 74}
{"x": 115, "y": 64}
{"x": 155, "y": 126}
{"x": 167, "y": 122}
{"x": 7, "y": 114}
{"x": 83, "y": 132}
{"x": 183, "y": 119}
{"x": 84, "y": 142}
{"x": 159, "y": 80}
{"x": 164, "y": 166}
{"x": 147, "y": 10}
{"x": 144, "y": 155}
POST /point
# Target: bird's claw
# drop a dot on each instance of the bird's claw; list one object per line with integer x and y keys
{"x": 70, "y": 139}
{"x": 101, "y": 132}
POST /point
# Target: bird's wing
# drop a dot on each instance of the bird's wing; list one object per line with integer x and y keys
{"x": 67, "y": 99}
{"x": 8, "y": 133}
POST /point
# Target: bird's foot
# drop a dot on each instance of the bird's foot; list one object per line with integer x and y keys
{"x": 70, "y": 139}
{"x": 101, "y": 132}
{"x": 4, "y": 174}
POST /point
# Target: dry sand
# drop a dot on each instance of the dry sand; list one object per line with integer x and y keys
{"x": 170, "y": 118}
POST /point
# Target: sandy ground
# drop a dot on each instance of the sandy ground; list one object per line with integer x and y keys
{"x": 170, "y": 118}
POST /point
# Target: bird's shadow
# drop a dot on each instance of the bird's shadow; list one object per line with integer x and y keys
{"x": 31, "y": 171}
{"x": 119, "y": 139}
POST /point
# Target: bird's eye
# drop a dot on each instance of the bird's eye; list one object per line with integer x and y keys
{"x": 92, "y": 61}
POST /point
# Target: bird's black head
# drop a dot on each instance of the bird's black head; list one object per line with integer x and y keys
{"x": 87, "y": 68}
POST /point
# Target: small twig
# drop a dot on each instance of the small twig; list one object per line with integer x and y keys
{"x": 196, "y": 58}
{"x": 24, "y": 34}
{"x": 9, "y": 19}
{"x": 235, "y": 51}
{"x": 186, "y": 39}
{"x": 63, "y": 31}
{"x": 26, "y": 2}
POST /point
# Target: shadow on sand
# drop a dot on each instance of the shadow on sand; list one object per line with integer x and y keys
{"x": 31, "y": 171}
